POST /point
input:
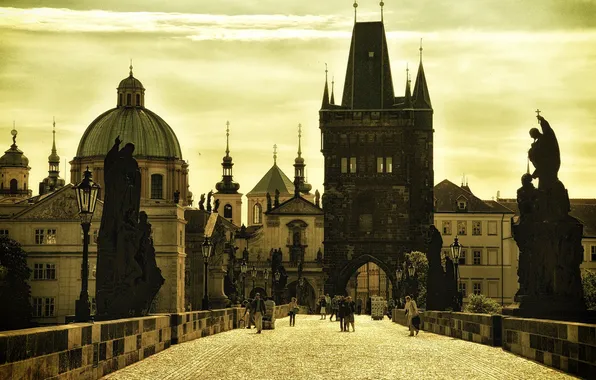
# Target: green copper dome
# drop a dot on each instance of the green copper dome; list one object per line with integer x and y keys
{"x": 134, "y": 123}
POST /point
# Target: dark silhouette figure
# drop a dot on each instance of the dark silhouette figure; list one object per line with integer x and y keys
{"x": 202, "y": 202}
{"x": 209, "y": 195}
{"x": 216, "y": 205}
{"x": 317, "y": 198}
{"x": 177, "y": 196}
{"x": 268, "y": 201}
{"x": 276, "y": 203}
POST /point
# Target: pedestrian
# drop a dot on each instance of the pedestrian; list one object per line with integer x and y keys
{"x": 359, "y": 305}
{"x": 247, "y": 310}
{"x": 341, "y": 312}
{"x": 368, "y": 306}
{"x": 323, "y": 306}
{"x": 258, "y": 309}
{"x": 293, "y": 310}
{"x": 349, "y": 318}
{"x": 328, "y": 303}
{"x": 413, "y": 316}
{"x": 334, "y": 307}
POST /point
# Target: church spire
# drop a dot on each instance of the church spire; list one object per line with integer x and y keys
{"x": 421, "y": 95}
{"x": 227, "y": 184}
{"x": 299, "y": 165}
{"x": 325, "y": 103}
{"x": 53, "y": 181}
{"x": 332, "y": 100}
{"x": 408, "y": 97}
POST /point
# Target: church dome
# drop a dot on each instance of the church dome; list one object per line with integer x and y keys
{"x": 14, "y": 157}
{"x": 134, "y": 123}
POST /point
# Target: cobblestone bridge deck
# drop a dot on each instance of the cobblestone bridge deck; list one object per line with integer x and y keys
{"x": 316, "y": 349}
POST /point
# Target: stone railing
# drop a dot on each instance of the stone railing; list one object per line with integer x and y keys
{"x": 568, "y": 346}
{"x": 92, "y": 350}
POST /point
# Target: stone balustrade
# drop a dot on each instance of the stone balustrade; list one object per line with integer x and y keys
{"x": 92, "y": 350}
{"x": 567, "y": 346}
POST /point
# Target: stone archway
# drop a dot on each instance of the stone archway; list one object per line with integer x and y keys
{"x": 259, "y": 290}
{"x": 352, "y": 266}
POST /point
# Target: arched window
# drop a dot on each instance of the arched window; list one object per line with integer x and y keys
{"x": 156, "y": 186}
{"x": 228, "y": 211}
{"x": 128, "y": 99}
{"x": 257, "y": 214}
{"x": 14, "y": 186}
{"x": 138, "y": 103}
{"x": 119, "y": 99}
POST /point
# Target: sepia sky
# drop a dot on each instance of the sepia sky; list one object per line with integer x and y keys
{"x": 260, "y": 64}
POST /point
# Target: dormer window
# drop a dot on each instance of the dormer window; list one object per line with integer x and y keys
{"x": 462, "y": 203}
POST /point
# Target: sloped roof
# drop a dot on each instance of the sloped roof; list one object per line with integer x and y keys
{"x": 275, "y": 178}
{"x": 296, "y": 206}
{"x": 582, "y": 209}
{"x": 447, "y": 193}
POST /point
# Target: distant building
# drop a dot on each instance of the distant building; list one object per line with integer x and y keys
{"x": 14, "y": 170}
{"x": 53, "y": 181}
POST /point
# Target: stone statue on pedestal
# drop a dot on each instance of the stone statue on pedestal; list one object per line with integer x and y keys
{"x": 435, "y": 298}
{"x": 209, "y": 195}
{"x": 549, "y": 239}
{"x": 317, "y": 198}
{"x": 202, "y": 202}
{"x": 128, "y": 278}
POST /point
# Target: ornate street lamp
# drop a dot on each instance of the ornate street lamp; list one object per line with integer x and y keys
{"x": 398, "y": 276}
{"x": 276, "y": 290}
{"x": 456, "y": 254}
{"x": 243, "y": 269}
{"x": 266, "y": 276}
{"x": 206, "y": 248}
{"x": 86, "y": 192}
{"x": 254, "y": 276}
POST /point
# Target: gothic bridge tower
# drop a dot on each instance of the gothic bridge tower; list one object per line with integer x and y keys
{"x": 378, "y": 151}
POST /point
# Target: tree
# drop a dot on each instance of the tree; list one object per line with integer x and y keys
{"x": 417, "y": 284}
{"x": 478, "y": 303}
{"x": 589, "y": 283}
{"x": 15, "y": 292}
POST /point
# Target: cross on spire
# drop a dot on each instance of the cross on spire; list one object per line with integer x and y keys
{"x": 420, "y": 50}
{"x": 227, "y": 138}
{"x": 274, "y": 154}
{"x": 299, "y": 140}
{"x": 130, "y": 67}
{"x": 14, "y": 133}
{"x": 54, "y": 135}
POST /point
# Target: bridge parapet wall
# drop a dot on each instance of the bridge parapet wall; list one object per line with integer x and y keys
{"x": 92, "y": 350}
{"x": 568, "y": 346}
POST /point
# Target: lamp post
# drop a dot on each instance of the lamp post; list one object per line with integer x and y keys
{"x": 206, "y": 247}
{"x": 243, "y": 269}
{"x": 398, "y": 277}
{"x": 411, "y": 273}
{"x": 86, "y": 192}
{"x": 254, "y": 276}
{"x": 277, "y": 277}
{"x": 455, "y": 254}
{"x": 266, "y": 276}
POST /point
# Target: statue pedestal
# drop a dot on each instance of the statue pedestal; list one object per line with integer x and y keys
{"x": 217, "y": 296}
{"x": 551, "y": 252}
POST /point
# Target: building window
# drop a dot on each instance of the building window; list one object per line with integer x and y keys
{"x": 477, "y": 228}
{"x": 446, "y": 227}
{"x": 380, "y": 168}
{"x": 156, "y": 186}
{"x": 38, "y": 271}
{"x": 477, "y": 288}
{"x": 37, "y": 306}
{"x": 256, "y": 214}
{"x": 492, "y": 227}
{"x": 44, "y": 306}
{"x": 463, "y": 289}
{"x": 462, "y": 257}
{"x": 477, "y": 257}
{"x": 344, "y": 165}
{"x": 593, "y": 253}
{"x": 128, "y": 99}
{"x": 138, "y": 96}
{"x": 14, "y": 186}
{"x": 45, "y": 236}
{"x": 352, "y": 164}
{"x": 228, "y": 211}
{"x": 389, "y": 164}
{"x": 462, "y": 227}
{"x": 50, "y": 272}
{"x": 4, "y": 233}
{"x": 44, "y": 271}
{"x": 462, "y": 204}
{"x": 119, "y": 99}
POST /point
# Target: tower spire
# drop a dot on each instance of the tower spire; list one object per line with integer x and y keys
{"x": 54, "y": 135}
{"x": 325, "y": 103}
{"x": 382, "y": 4}
{"x": 355, "y": 10}
{"x": 332, "y": 100}
{"x": 421, "y": 95}
{"x": 130, "y": 67}
{"x": 228, "y": 138}
{"x": 274, "y": 154}
{"x": 299, "y": 140}
{"x": 408, "y": 98}
{"x": 227, "y": 184}
{"x": 300, "y": 185}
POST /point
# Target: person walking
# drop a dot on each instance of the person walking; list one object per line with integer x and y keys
{"x": 323, "y": 307}
{"x": 341, "y": 312}
{"x": 413, "y": 316}
{"x": 334, "y": 307}
{"x": 328, "y": 303}
{"x": 349, "y": 318}
{"x": 359, "y": 305}
{"x": 247, "y": 310}
{"x": 258, "y": 308}
{"x": 293, "y": 310}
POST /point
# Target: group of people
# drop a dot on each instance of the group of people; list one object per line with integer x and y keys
{"x": 256, "y": 309}
{"x": 342, "y": 307}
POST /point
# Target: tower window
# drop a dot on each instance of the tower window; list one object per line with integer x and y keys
{"x": 257, "y": 214}
{"x": 352, "y": 164}
{"x": 156, "y": 186}
{"x": 14, "y": 186}
{"x": 119, "y": 99}
{"x": 128, "y": 99}
{"x": 138, "y": 99}
{"x": 380, "y": 165}
{"x": 389, "y": 164}
{"x": 344, "y": 164}
{"x": 228, "y": 211}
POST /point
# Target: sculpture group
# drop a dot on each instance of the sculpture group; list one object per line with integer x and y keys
{"x": 128, "y": 278}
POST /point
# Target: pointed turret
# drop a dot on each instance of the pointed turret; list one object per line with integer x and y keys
{"x": 53, "y": 181}
{"x": 332, "y": 100}
{"x": 299, "y": 165}
{"x": 227, "y": 184}
{"x": 421, "y": 95}
{"x": 408, "y": 96}
{"x": 325, "y": 103}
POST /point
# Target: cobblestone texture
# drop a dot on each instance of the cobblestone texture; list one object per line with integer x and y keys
{"x": 316, "y": 349}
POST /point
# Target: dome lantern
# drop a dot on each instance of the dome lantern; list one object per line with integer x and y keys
{"x": 131, "y": 92}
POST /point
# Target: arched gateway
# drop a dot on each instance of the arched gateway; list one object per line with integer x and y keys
{"x": 352, "y": 266}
